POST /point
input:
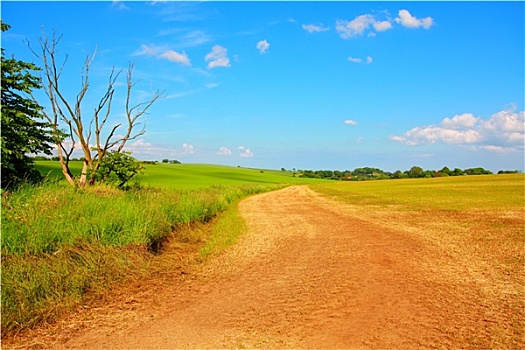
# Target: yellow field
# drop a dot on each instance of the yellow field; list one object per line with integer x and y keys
{"x": 476, "y": 227}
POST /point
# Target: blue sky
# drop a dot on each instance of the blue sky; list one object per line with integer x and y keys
{"x": 306, "y": 85}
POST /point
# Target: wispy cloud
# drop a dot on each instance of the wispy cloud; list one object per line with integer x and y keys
{"x": 143, "y": 149}
{"x": 119, "y": 5}
{"x": 263, "y": 46}
{"x": 502, "y": 132}
{"x": 217, "y": 57}
{"x": 194, "y": 38}
{"x": 350, "y": 122}
{"x": 312, "y": 28}
{"x": 170, "y": 55}
{"x": 188, "y": 149}
{"x": 147, "y": 50}
{"x": 155, "y": 2}
{"x": 224, "y": 151}
{"x": 360, "y": 60}
{"x": 183, "y": 11}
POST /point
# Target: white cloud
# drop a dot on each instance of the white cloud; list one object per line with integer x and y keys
{"x": 218, "y": 57}
{"x": 350, "y": 122}
{"x": 245, "y": 152}
{"x": 223, "y": 151}
{"x": 355, "y": 27}
{"x": 312, "y": 28}
{"x": 170, "y": 55}
{"x": 466, "y": 120}
{"x": 263, "y": 46}
{"x": 143, "y": 150}
{"x": 360, "y": 60}
{"x": 119, "y": 5}
{"x": 177, "y": 57}
{"x": 194, "y": 38}
{"x": 360, "y": 24}
{"x": 382, "y": 26}
{"x": 502, "y": 132}
{"x": 409, "y": 21}
{"x": 147, "y": 50}
{"x": 498, "y": 149}
{"x": 188, "y": 149}
{"x": 367, "y": 23}
{"x": 433, "y": 133}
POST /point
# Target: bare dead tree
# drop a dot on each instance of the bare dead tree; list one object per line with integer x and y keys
{"x": 70, "y": 113}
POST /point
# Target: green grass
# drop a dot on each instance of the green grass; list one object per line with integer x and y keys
{"x": 225, "y": 233}
{"x": 60, "y": 243}
{"x": 193, "y": 176}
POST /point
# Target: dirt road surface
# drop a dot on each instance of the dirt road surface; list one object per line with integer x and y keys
{"x": 308, "y": 274}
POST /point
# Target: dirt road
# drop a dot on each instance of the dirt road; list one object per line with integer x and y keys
{"x": 307, "y": 274}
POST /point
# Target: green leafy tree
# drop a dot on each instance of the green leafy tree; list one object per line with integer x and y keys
{"x": 23, "y": 131}
{"x": 444, "y": 172}
{"x": 457, "y": 172}
{"x": 415, "y": 172}
{"x": 118, "y": 168}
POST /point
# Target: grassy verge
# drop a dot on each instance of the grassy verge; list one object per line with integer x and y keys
{"x": 60, "y": 244}
{"x": 225, "y": 232}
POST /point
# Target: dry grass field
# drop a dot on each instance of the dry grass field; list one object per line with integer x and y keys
{"x": 475, "y": 225}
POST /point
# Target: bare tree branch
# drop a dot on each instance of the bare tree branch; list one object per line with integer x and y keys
{"x": 72, "y": 114}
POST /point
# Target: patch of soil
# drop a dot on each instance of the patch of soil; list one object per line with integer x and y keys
{"x": 308, "y": 274}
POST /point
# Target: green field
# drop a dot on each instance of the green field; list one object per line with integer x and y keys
{"x": 193, "y": 176}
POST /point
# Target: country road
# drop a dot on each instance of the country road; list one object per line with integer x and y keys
{"x": 307, "y": 275}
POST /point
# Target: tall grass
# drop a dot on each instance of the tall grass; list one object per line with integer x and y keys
{"x": 59, "y": 243}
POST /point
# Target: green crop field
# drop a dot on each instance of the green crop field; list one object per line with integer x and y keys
{"x": 193, "y": 176}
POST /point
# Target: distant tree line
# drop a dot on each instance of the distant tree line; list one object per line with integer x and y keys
{"x": 367, "y": 173}
{"x": 81, "y": 159}
{"x": 171, "y": 161}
